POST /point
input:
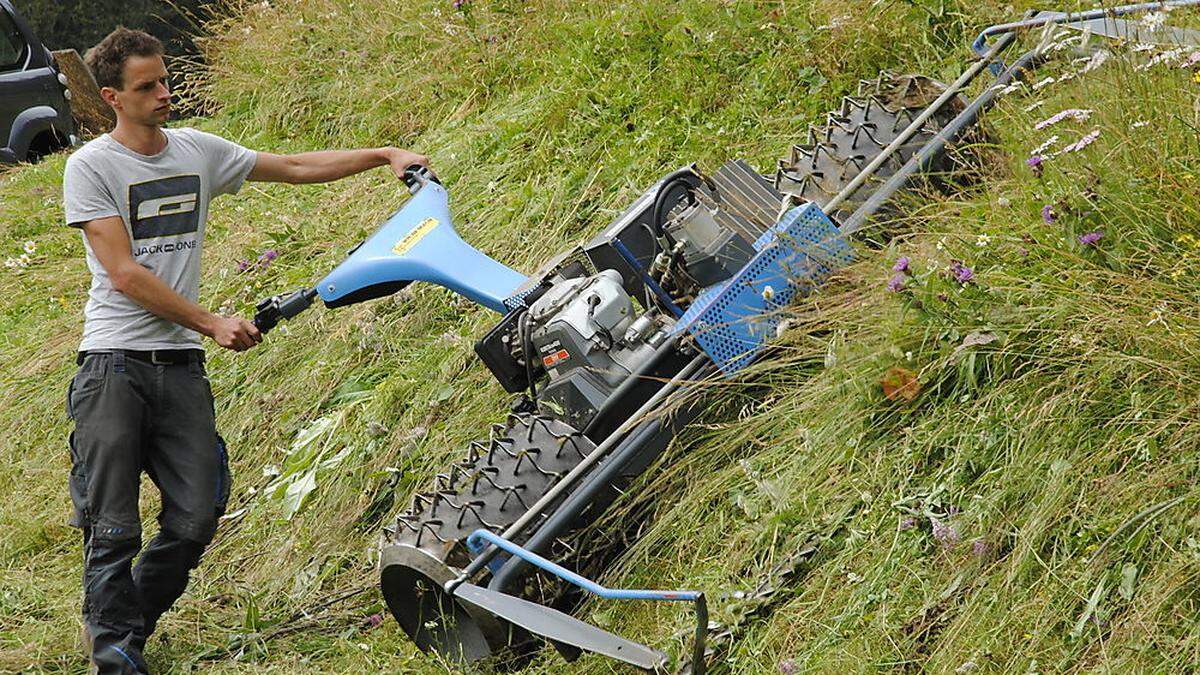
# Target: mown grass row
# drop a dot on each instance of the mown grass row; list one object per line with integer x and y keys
{"x": 1042, "y": 445}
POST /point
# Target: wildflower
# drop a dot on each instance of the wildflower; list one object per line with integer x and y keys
{"x": 1196, "y": 77}
{"x": 265, "y": 259}
{"x": 908, "y": 523}
{"x": 373, "y": 621}
{"x": 1082, "y": 142}
{"x": 896, "y": 283}
{"x": 961, "y": 273}
{"x": 1003, "y": 202}
{"x": 1043, "y": 83}
{"x": 1048, "y": 214}
{"x": 944, "y": 533}
{"x": 30, "y": 247}
{"x": 983, "y": 240}
{"x": 1141, "y": 123}
{"x": 1077, "y": 114}
{"x": 1041, "y": 149}
{"x": 980, "y": 548}
{"x": 1191, "y": 60}
{"x": 10, "y": 263}
{"x": 1090, "y": 238}
{"x": 1154, "y": 20}
{"x": 1035, "y": 163}
{"x": 901, "y": 264}
{"x": 24, "y": 260}
{"x": 788, "y": 667}
{"x": 1096, "y": 61}
{"x": 243, "y": 265}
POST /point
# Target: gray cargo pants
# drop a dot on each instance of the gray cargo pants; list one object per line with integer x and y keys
{"x": 131, "y": 416}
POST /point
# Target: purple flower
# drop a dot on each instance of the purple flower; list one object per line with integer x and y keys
{"x": 908, "y": 523}
{"x": 243, "y": 265}
{"x": 788, "y": 667}
{"x": 944, "y": 533}
{"x": 962, "y": 274}
{"x": 373, "y": 621}
{"x": 1048, "y": 214}
{"x": 901, "y": 264}
{"x": 267, "y": 256}
{"x": 896, "y": 283}
{"x": 1090, "y": 238}
{"x": 980, "y": 548}
{"x": 1035, "y": 163}
{"x": 458, "y": 4}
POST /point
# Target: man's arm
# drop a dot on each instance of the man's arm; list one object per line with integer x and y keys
{"x": 330, "y": 165}
{"x": 110, "y": 242}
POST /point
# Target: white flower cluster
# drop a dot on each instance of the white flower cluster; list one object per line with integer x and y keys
{"x": 24, "y": 259}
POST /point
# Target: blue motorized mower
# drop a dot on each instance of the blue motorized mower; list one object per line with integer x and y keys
{"x": 606, "y": 338}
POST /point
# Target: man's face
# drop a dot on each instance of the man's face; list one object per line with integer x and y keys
{"x": 145, "y": 99}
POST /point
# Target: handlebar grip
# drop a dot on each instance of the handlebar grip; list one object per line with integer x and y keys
{"x": 416, "y": 176}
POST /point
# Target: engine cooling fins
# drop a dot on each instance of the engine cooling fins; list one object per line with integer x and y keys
{"x": 853, "y": 136}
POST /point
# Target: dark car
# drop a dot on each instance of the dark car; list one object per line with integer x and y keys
{"x": 35, "y": 113}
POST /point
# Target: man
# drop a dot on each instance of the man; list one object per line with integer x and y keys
{"x": 141, "y": 399}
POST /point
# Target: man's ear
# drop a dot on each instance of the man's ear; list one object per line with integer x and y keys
{"x": 110, "y": 97}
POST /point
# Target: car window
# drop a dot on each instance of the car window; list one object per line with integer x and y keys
{"x": 12, "y": 46}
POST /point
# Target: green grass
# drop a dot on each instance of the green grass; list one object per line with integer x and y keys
{"x": 1045, "y": 447}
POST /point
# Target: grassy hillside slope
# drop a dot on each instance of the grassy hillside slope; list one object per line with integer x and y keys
{"x": 1031, "y": 508}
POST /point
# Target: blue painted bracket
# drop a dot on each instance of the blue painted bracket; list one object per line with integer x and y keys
{"x": 479, "y": 540}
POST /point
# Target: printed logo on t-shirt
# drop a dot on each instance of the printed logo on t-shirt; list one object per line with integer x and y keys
{"x": 165, "y": 206}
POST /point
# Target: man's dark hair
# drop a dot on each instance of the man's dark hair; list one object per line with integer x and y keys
{"x": 107, "y": 59}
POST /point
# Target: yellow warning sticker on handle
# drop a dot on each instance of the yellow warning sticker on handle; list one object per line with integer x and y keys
{"x": 413, "y": 238}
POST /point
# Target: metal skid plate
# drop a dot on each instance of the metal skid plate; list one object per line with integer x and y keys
{"x": 733, "y": 320}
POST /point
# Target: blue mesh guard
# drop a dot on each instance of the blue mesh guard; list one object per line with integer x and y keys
{"x": 733, "y": 320}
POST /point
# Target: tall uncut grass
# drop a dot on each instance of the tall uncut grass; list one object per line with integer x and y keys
{"x": 1027, "y": 504}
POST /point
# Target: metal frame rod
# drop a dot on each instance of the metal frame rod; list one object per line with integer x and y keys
{"x": 981, "y": 47}
{"x": 909, "y": 131}
{"x": 919, "y": 161}
{"x": 695, "y": 597}
{"x": 581, "y": 468}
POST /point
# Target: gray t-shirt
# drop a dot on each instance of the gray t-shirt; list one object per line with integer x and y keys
{"x": 163, "y": 200}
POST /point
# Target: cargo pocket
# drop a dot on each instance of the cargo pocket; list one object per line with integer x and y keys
{"x": 88, "y": 380}
{"x": 224, "y": 478}
{"x": 77, "y": 485}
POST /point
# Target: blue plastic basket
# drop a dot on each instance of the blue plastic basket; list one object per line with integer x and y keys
{"x": 732, "y": 321}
